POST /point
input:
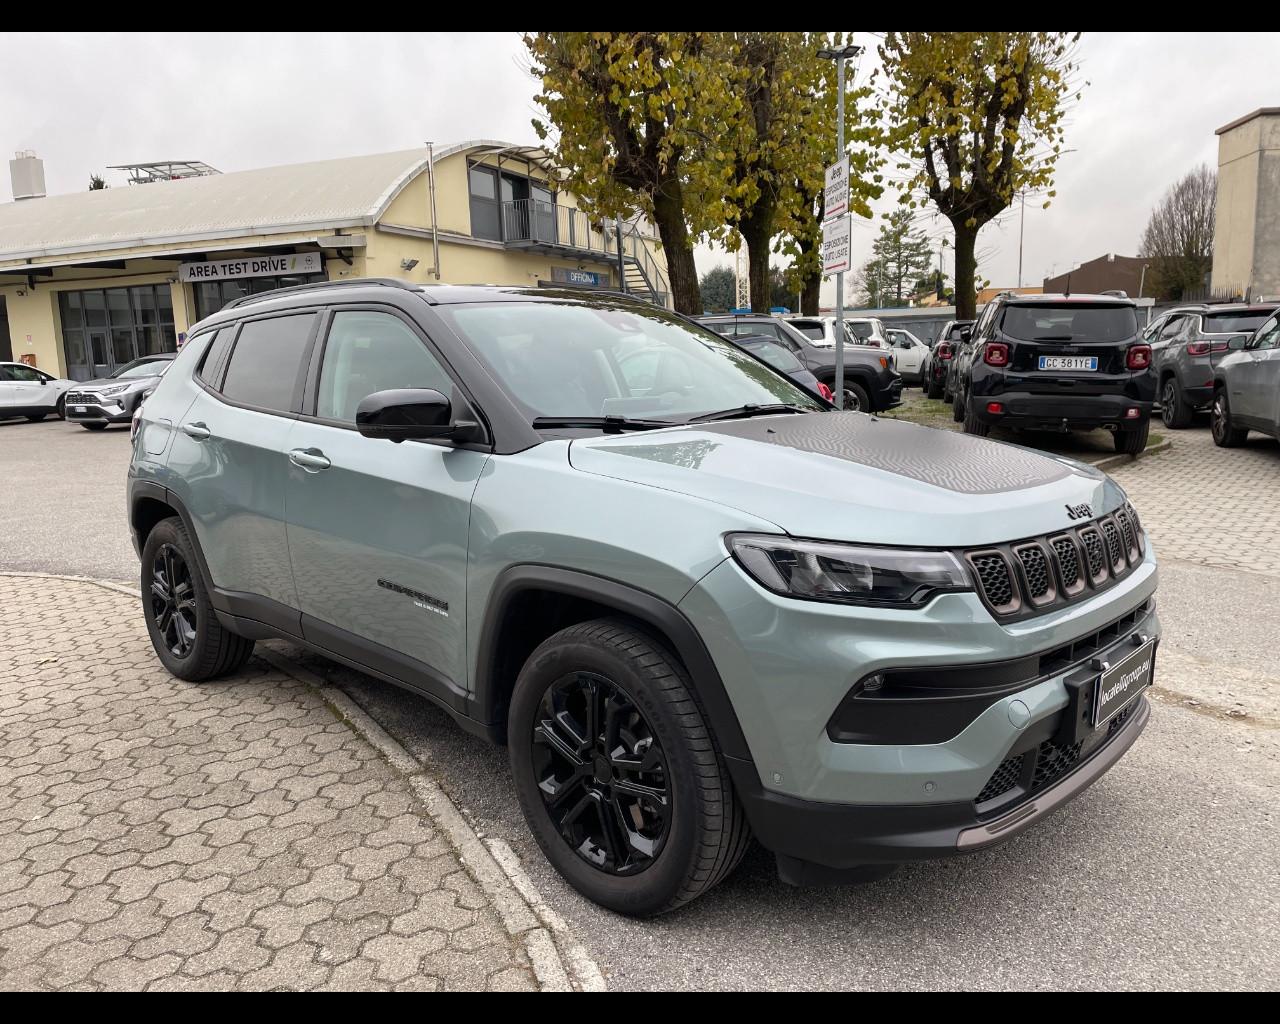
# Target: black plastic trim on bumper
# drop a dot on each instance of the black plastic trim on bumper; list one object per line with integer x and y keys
{"x": 841, "y": 836}
{"x": 1081, "y": 412}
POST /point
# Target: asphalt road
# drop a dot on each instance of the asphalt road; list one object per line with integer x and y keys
{"x": 1166, "y": 874}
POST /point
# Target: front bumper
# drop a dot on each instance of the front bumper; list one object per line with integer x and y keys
{"x": 788, "y": 665}
{"x": 888, "y": 394}
{"x": 116, "y": 409}
{"x": 843, "y": 836}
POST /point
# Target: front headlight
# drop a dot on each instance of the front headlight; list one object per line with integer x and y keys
{"x": 115, "y": 390}
{"x": 820, "y": 571}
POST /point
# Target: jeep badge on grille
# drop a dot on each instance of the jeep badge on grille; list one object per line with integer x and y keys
{"x": 1081, "y": 511}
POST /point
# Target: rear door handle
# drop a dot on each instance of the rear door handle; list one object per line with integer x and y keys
{"x": 311, "y": 459}
{"x": 197, "y": 431}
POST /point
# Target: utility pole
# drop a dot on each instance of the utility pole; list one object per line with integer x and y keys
{"x": 839, "y": 56}
{"x": 1021, "y": 224}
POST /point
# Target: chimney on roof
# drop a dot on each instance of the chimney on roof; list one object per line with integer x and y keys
{"x": 26, "y": 173}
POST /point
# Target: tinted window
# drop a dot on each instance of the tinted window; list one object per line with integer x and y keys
{"x": 860, "y": 330}
{"x": 1268, "y": 336}
{"x": 211, "y": 366}
{"x": 809, "y": 329}
{"x": 1234, "y": 323}
{"x": 1070, "y": 323}
{"x": 775, "y": 355}
{"x": 25, "y": 373}
{"x": 265, "y": 361}
{"x": 368, "y": 352}
{"x": 6, "y": 373}
{"x": 954, "y": 331}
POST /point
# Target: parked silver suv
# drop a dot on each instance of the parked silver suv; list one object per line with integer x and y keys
{"x": 694, "y": 602}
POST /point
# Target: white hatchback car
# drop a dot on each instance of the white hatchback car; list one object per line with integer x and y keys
{"x": 26, "y": 391}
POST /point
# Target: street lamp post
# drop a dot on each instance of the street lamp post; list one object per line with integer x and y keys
{"x": 839, "y": 56}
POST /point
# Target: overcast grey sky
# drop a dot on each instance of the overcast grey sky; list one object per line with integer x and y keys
{"x": 239, "y": 101}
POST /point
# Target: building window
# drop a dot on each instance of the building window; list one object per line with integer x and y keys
{"x": 212, "y": 296}
{"x": 484, "y": 204}
{"x": 104, "y": 328}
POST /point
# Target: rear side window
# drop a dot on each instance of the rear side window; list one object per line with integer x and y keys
{"x": 266, "y": 360}
{"x": 860, "y": 330}
{"x": 776, "y": 356}
{"x": 1234, "y": 323}
{"x": 211, "y": 367}
{"x": 809, "y": 329}
{"x": 1070, "y": 323}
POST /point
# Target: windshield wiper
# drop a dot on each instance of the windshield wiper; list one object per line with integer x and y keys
{"x": 743, "y": 412}
{"x": 609, "y": 424}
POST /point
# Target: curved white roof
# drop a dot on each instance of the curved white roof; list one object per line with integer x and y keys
{"x": 325, "y": 194}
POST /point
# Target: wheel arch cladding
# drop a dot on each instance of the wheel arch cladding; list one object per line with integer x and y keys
{"x": 528, "y": 603}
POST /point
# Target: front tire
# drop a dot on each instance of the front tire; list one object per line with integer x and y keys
{"x": 186, "y": 634}
{"x": 36, "y": 417}
{"x": 61, "y": 408}
{"x": 94, "y": 426}
{"x": 855, "y": 398}
{"x": 1174, "y": 410}
{"x": 1224, "y": 434}
{"x": 617, "y": 773}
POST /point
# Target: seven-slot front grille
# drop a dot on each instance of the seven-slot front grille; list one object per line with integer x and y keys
{"x": 1024, "y": 577}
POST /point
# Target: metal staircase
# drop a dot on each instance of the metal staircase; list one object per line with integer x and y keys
{"x": 641, "y": 273}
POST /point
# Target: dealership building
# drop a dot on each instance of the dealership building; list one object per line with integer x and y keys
{"x": 91, "y": 280}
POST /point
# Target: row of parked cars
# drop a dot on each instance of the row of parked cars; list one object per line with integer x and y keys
{"x": 1080, "y": 362}
{"x": 26, "y": 391}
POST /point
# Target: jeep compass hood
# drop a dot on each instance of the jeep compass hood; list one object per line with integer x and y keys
{"x": 849, "y": 476}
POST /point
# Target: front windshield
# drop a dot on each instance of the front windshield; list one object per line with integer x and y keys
{"x": 569, "y": 359}
{"x": 143, "y": 368}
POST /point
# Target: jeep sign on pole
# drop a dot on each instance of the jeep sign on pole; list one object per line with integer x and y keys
{"x": 835, "y": 195}
{"x": 835, "y": 245}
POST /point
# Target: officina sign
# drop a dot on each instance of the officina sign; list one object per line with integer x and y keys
{"x": 251, "y": 266}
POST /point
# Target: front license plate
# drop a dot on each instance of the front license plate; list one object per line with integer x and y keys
{"x": 79, "y": 408}
{"x": 1122, "y": 682}
{"x": 1068, "y": 362}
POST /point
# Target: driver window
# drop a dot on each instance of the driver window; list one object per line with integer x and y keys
{"x": 368, "y": 352}
{"x": 1172, "y": 328}
{"x": 1268, "y": 335}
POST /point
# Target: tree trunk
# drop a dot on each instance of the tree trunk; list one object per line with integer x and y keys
{"x": 966, "y": 271}
{"x": 668, "y": 215}
{"x": 757, "y": 233}
{"x": 810, "y": 301}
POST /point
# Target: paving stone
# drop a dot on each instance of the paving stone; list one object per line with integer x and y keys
{"x": 169, "y": 836}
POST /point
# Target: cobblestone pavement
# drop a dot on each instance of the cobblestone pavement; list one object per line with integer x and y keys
{"x": 157, "y": 834}
{"x": 1214, "y": 506}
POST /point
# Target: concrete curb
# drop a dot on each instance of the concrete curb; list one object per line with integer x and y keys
{"x": 560, "y": 964}
{"x": 1116, "y": 461}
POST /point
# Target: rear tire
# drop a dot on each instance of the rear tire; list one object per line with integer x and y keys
{"x": 634, "y": 854}
{"x": 186, "y": 634}
{"x": 1174, "y": 410}
{"x": 957, "y": 407}
{"x": 973, "y": 425}
{"x": 1224, "y": 434}
{"x": 1131, "y": 442}
{"x": 933, "y": 389}
{"x": 94, "y": 426}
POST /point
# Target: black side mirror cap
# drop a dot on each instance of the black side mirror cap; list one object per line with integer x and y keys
{"x": 412, "y": 414}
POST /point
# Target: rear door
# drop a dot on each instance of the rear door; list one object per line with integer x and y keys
{"x": 229, "y": 463}
{"x": 377, "y": 530}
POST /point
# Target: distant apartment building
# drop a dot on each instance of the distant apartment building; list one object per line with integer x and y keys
{"x": 1106, "y": 273}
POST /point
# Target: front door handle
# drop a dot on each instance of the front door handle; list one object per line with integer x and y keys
{"x": 197, "y": 431}
{"x": 311, "y": 459}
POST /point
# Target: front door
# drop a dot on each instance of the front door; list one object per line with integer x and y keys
{"x": 1260, "y": 379}
{"x": 377, "y": 530}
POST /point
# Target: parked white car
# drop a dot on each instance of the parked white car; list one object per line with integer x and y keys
{"x": 869, "y": 330}
{"x": 821, "y": 330}
{"x": 27, "y": 391}
{"x": 909, "y": 352}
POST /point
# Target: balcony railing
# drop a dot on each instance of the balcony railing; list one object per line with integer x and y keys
{"x": 536, "y": 222}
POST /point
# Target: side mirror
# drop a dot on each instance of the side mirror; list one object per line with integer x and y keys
{"x": 411, "y": 414}
{"x": 1237, "y": 343}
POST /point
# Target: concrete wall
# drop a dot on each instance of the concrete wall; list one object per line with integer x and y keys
{"x": 1246, "y": 240}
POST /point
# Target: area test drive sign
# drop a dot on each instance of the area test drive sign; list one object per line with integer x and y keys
{"x": 252, "y": 266}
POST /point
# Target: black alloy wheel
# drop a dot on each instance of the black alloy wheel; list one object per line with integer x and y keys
{"x": 172, "y": 601}
{"x": 601, "y": 773}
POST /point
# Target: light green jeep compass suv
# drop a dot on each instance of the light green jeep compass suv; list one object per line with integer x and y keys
{"x": 695, "y": 602}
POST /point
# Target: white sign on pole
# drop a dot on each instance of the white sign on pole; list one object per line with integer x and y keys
{"x": 251, "y": 266}
{"x": 835, "y": 195}
{"x": 835, "y": 245}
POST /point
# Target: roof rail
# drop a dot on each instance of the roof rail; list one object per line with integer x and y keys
{"x": 387, "y": 282}
{"x": 1119, "y": 293}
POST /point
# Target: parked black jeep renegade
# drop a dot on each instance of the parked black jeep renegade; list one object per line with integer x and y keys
{"x": 1058, "y": 362}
